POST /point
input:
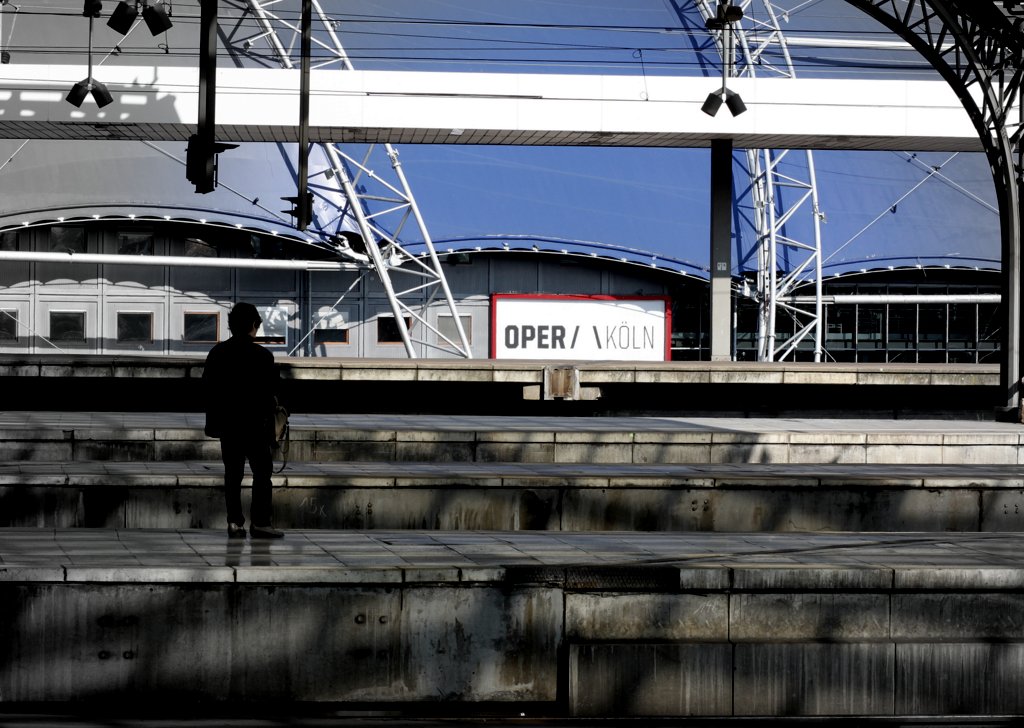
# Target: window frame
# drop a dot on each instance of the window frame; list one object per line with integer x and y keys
{"x": 61, "y": 311}
{"x": 9, "y": 314}
{"x": 392, "y": 342}
{"x": 117, "y": 327}
{"x": 216, "y": 327}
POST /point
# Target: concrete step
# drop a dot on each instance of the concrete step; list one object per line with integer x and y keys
{"x": 623, "y": 625}
{"x": 486, "y": 386}
{"x": 146, "y": 437}
{"x": 528, "y": 496}
{"x": 157, "y": 470}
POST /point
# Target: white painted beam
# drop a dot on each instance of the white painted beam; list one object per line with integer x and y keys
{"x": 12, "y": 256}
{"x": 161, "y": 103}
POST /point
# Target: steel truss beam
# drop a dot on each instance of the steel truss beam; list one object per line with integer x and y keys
{"x": 359, "y": 213}
{"x": 783, "y": 261}
{"x": 978, "y": 47}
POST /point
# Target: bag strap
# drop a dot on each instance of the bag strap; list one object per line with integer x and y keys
{"x": 284, "y": 445}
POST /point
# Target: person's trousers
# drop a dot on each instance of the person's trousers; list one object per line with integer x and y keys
{"x": 235, "y": 450}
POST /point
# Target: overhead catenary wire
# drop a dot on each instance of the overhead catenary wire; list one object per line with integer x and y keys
{"x": 891, "y": 208}
{"x": 499, "y": 48}
{"x": 916, "y": 160}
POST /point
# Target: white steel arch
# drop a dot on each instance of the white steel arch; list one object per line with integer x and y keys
{"x": 778, "y": 196}
{"x": 360, "y": 212}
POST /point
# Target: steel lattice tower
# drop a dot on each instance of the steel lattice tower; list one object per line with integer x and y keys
{"x": 358, "y": 211}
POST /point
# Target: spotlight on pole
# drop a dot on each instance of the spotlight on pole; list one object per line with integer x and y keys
{"x": 723, "y": 20}
{"x": 89, "y": 85}
{"x": 100, "y": 94}
{"x": 156, "y": 18}
{"x": 123, "y": 17}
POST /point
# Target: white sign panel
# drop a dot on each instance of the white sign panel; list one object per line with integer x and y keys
{"x": 580, "y": 327}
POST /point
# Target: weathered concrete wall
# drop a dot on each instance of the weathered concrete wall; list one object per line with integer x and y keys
{"x": 280, "y": 642}
{"x": 149, "y": 502}
{"x": 876, "y": 653}
{"x": 643, "y": 641}
{"x": 685, "y": 445}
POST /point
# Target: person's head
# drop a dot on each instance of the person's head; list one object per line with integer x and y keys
{"x": 242, "y": 318}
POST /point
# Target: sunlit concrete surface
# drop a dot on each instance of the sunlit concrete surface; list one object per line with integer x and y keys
{"x": 325, "y": 369}
{"x": 168, "y": 421}
{"x": 529, "y": 387}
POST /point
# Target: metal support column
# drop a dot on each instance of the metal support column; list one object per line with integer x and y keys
{"x": 755, "y": 47}
{"x": 206, "y": 127}
{"x": 721, "y": 249}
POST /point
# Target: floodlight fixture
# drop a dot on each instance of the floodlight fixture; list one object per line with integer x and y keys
{"x": 734, "y": 102}
{"x": 713, "y": 103}
{"x": 5, "y": 55}
{"x": 78, "y": 93}
{"x": 157, "y": 19}
{"x": 724, "y": 15}
{"x": 92, "y": 8}
{"x": 123, "y": 17}
{"x": 100, "y": 94}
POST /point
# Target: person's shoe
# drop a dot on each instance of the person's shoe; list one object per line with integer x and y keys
{"x": 236, "y": 531}
{"x": 265, "y": 532}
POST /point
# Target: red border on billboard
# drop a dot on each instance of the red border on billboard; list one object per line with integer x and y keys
{"x": 495, "y": 297}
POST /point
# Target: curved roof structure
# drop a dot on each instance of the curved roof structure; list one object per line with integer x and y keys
{"x": 644, "y": 206}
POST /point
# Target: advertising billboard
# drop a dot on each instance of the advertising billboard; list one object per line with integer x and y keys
{"x": 594, "y": 328}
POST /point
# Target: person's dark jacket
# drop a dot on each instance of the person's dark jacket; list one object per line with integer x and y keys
{"x": 240, "y": 381}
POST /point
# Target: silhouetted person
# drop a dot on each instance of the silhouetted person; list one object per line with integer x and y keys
{"x": 241, "y": 380}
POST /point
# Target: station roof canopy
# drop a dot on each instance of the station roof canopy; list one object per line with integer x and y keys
{"x": 571, "y": 126}
{"x": 367, "y": 107}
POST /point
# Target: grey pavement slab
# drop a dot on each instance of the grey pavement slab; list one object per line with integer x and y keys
{"x": 394, "y": 474}
{"x": 964, "y": 560}
{"x": 27, "y": 420}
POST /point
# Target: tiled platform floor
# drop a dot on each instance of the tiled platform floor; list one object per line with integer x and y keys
{"x": 104, "y": 555}
{"x": 388, "y": 474}
{"x": 22, "y": 420}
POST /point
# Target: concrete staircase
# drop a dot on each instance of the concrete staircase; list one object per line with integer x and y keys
{"x": 558, "y": 567}
{"x": 153, "y": 470}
